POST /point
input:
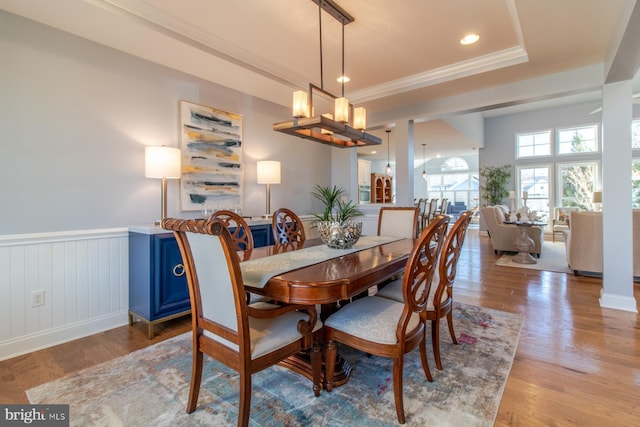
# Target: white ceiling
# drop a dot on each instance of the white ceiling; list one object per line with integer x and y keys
{"x": 404, "y": 58}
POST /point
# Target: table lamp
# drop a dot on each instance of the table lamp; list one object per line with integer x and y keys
{"x": 597, "y": 200}
{"x": 162, "y": 162}
{"x": 268, "y": 173}
{"x": 512, "y": 199}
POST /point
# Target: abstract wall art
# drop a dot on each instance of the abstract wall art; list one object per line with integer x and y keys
{"x": 212, "y": 172}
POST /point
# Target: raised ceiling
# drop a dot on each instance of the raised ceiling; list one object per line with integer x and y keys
{"x": 402, "y": 57}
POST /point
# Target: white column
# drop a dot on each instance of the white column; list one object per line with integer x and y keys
{"x": 403, "y": 150}
{"x": 617, "y": 281}
{"x": 344, "y": 171}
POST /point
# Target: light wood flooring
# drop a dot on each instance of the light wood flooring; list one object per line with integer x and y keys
{"x": 577, "y": 364}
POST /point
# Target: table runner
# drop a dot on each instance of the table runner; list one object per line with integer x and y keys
{"x": 257, "y": 272}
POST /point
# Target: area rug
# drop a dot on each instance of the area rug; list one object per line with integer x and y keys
{"x": 553, "y": 258}
{"x": 149, "y": 387}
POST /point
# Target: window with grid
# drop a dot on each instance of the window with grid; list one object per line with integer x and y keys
{"x": 535, "y": 181}
{"x": 635, "y": 134}
{"x": 583, "y": 139}
{"x": 533, "y": 144}
{"x": 576, "y": 183}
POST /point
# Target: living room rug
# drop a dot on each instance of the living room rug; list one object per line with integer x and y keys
{"x": 553, "y": 258}
{"x": 149, "y": 387}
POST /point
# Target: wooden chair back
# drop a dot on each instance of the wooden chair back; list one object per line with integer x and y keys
{"x": 398, "y": 222}
{"x": 241, "y": 235}
{"x": 422, "y": 206}
{"x": 422, "y": 264}
{"x": 450, "y": 254}
{"x": 441, "y": 300}
{"x": 287, "y": 227}
{"x": 431, "y": 213}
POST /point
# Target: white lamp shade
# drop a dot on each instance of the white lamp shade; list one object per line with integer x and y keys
{"x": 341, "y": 110}
{"x": 268, "y": 172}
{"x": 300, "y": 105}
{"x": 162, "y": 162}
{"x": 360, "y": 118}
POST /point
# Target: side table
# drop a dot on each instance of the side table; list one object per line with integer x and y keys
{"x": 524, "y": 243}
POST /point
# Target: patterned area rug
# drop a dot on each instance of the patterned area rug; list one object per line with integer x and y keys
{"x": 553, "y": 258}
{"x": 149, "y": 387}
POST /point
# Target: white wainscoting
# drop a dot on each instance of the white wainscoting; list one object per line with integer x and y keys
{"x": 85, "y": 279}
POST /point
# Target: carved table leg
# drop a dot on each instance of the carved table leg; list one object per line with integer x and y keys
{"x": 524, "y": 244}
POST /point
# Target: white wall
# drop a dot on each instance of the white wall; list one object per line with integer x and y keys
{"x": 75, "y": 117}
{"x": 74, "y": 120}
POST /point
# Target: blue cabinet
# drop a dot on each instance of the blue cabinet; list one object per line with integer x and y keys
{"x": 262, "y": 235}
{"x": 158, "y": 289}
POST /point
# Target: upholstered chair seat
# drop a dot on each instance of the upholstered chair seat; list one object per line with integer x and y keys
{"x": 267, "y": 335}
{"x": 373, "y": 319}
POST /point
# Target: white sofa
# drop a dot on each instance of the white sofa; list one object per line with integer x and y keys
{"x": 584, "y": 242}
{"x": 503, "y": 236}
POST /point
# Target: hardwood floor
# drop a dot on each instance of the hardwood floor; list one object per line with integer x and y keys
{"x": 577, "y": 364}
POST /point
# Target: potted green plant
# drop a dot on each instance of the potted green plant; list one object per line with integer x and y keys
{"x": 495, "y": 180}
{"x": 336, "y": 208}
{"x": 335, "y": 225}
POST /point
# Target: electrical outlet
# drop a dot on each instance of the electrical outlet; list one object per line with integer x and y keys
{"x": 37, "y": 298}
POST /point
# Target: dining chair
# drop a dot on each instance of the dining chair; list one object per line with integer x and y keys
{"x": 242, "y": 239}
{"x": 433, "y": 205}
{"x": 388, "y": 328}
{"x": 238, "y": 228}
{"x": 398, "y": 222}
{"x": 422, "y": 205}
{"x": 440, "y": 301}
{"x": 287, "y": 227}
{"x": 246, "y": 338}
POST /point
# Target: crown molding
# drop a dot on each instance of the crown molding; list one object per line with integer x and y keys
{"x": 493, "y": 61}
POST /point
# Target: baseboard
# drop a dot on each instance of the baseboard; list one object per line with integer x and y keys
{"x": 618, "y": 302}
{"x": 30, "y": 343}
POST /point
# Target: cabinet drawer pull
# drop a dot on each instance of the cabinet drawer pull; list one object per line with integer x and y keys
{"x": 178, "y": 270}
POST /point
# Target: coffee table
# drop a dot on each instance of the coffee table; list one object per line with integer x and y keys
{"x": 524, "y": 243}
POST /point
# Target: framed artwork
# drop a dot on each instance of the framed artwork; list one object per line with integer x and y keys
{"x": 212, "y": 172}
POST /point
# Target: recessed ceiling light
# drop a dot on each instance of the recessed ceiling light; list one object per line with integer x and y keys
{"x": 374, "y": 152}
{"x": 344, "y": 79}
{"x": 469, "y": 39}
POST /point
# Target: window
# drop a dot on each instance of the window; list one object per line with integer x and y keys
{"x": 635, "y": 183}
{"x": 454, "y": 164}
{"x": 533, "y": 144}
{"x": 455, "y": 187}
{"x": 576, "y": 184}
{"x": 535, "y": 181}
{"x": 635, "y": 134}
{"x": 578, "y": 140}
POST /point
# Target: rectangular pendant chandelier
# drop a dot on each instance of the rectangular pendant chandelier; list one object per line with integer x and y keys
{"x": 345, "y": 126}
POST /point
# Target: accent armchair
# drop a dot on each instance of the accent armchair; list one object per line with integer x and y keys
{"x": 503, "y": 236}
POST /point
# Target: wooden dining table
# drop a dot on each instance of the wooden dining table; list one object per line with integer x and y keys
{"x": 330, "y": 283}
